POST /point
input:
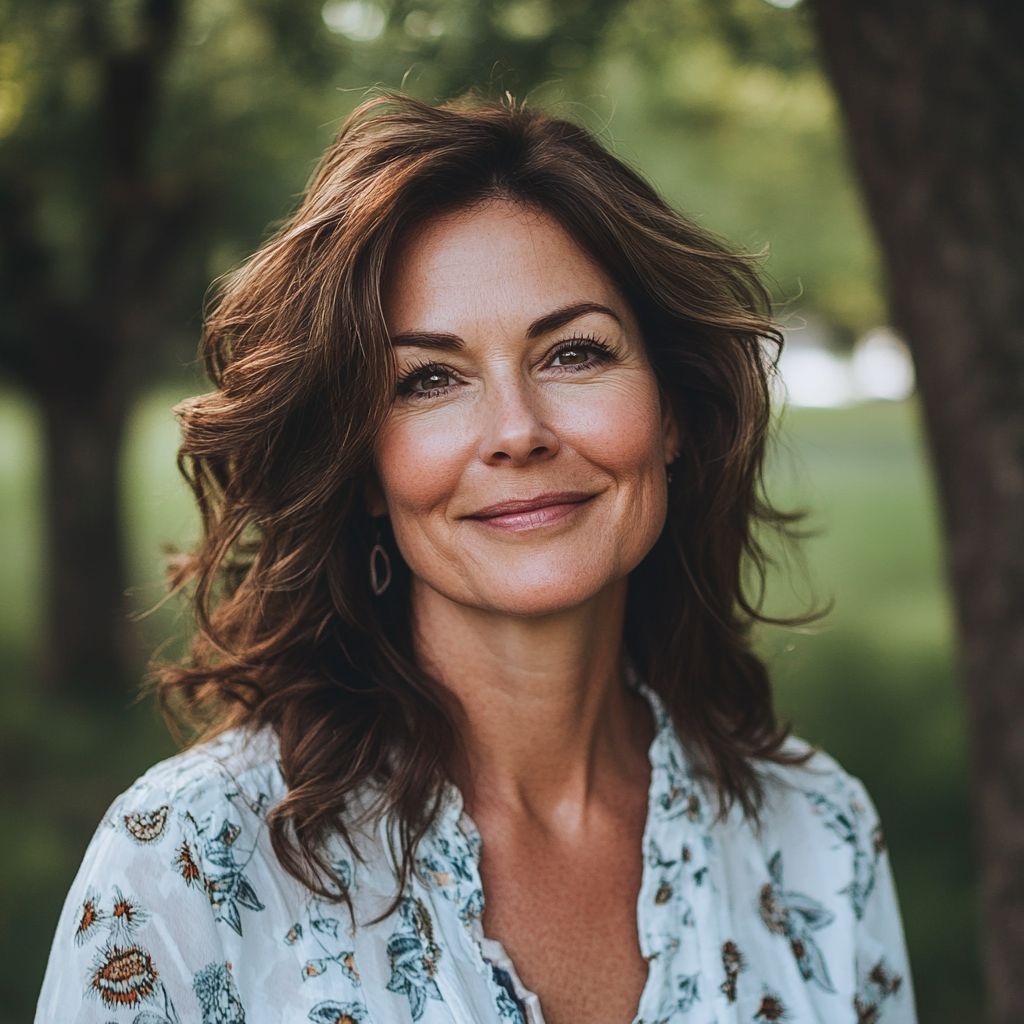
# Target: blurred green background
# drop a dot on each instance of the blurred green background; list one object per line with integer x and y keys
{"x": 724, "y": 106}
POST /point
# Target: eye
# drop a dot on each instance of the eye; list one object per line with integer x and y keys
{"x": 584, "y": 352}
{"x": 426, "y": 381}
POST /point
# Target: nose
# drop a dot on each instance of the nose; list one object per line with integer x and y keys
{"x": 515, "y": 429}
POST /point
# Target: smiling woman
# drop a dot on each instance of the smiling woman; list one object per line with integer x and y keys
{"x": 480, "y": 735}
{"x": 548, "y": 412}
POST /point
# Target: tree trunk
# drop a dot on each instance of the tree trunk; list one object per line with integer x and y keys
{"x": 932, "y": 93}
{"x": 87, "y": 648}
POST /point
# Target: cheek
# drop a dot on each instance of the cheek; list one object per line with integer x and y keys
{"x": 419, "y": 460}
{"x": 617, "y": 425}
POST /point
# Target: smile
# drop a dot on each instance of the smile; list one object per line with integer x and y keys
{"x": 534, "y": 518}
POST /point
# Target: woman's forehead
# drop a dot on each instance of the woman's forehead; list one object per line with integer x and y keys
{"x": 495, "y": 261}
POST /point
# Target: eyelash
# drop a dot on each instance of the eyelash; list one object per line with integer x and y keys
{"x": 582, "y": 343}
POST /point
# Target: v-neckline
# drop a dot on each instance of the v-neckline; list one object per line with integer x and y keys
{"x": 489, "y": 951}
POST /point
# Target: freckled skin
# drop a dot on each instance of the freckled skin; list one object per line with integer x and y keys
{"x": 513, "y": 425}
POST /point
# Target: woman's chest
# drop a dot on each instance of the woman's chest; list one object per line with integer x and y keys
{"x": 569, "y": 926}
{"x": 723, "y": 945}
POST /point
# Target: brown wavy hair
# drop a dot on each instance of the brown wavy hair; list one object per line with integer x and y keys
{"x": 288, "y": 631}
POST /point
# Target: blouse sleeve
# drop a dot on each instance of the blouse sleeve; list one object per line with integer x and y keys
{"x": 884, "y": 986}
{"x": 137, "y": 939}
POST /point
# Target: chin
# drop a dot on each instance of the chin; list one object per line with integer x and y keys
{"x": 537, "y": 598}
{"x": 538, "y": 606}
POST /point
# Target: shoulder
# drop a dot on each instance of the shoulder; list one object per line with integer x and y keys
{"x": 818, "y": 780}
{"x": 170, "y": 878}
{"x": 819, "y": 802}
{"x": 239, "y": 767}
{"x": 201, "y": 816}
{"x": 210, "y": 803}
{"x": 180, "y": 904}
{"x": 185, "y": 828}
{"x": 826, "y": 883}
{"x": 820, "y": 818}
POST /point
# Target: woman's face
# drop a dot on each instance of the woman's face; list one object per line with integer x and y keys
{"x": 521, "y": 375}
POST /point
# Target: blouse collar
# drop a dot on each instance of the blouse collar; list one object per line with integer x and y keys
{"x": 679, "y": 884}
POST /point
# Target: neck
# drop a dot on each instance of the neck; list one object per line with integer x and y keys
{"x": 548, "y": 727}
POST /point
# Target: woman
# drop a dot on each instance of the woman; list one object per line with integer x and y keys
{"x": 484, "y": 738}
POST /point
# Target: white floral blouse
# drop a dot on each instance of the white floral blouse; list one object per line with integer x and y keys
{"x": 180, "y": 912}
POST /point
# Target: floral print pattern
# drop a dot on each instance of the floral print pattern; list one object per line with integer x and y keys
{"x": 510, "y": 1008}
{"x": 323, "y": 935}
{"x": 147, "y": 826}
{"x": 795, "y": 915}
{"x": 732, "y": 964}
{"x": 337, "y": 1013}
{"x": 227, "y": 886}
{"x": 121, "y": 974}
{"x": 218, "y": 997}
{"x": 181, "y": 913}
{"x": 876, "y": 987}
{"x": 843, "y": 823}
{"x": 414, "y": 956}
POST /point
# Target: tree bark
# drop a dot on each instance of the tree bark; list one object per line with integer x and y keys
{"x": 83, "y": 347}
{"x": 88, "y": 649}
{"x": 932, "y": 94}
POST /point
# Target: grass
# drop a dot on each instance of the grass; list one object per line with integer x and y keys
{"x": 873, "y": 684}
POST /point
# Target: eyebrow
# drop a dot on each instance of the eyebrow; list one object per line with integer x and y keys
{"x": 542, "y": 325}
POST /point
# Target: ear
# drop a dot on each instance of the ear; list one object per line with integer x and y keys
{"x": 671, "y": 439}
{"x": 373, "y": 495}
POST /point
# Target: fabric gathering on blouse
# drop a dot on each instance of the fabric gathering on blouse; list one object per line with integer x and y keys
{"x": 181, "y": 913}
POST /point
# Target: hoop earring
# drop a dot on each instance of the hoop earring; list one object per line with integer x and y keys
{"x": 379, "y": 551}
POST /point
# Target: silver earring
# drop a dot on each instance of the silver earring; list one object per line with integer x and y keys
{"x": 378, "y": 551}
{"x": 668, "y": 468}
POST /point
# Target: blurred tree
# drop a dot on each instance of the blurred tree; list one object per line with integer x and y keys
{"x": 724, "y": 104}
{"x": 933, "y": 97}
{"x": 109, "y": 211}
{"x": 88, "y": 240}
{"x": 143, "y": 145}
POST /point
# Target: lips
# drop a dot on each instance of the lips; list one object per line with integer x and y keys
{"x": 504, "y": 508}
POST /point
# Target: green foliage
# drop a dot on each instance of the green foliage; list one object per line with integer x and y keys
{"x": 723, "y": 105}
